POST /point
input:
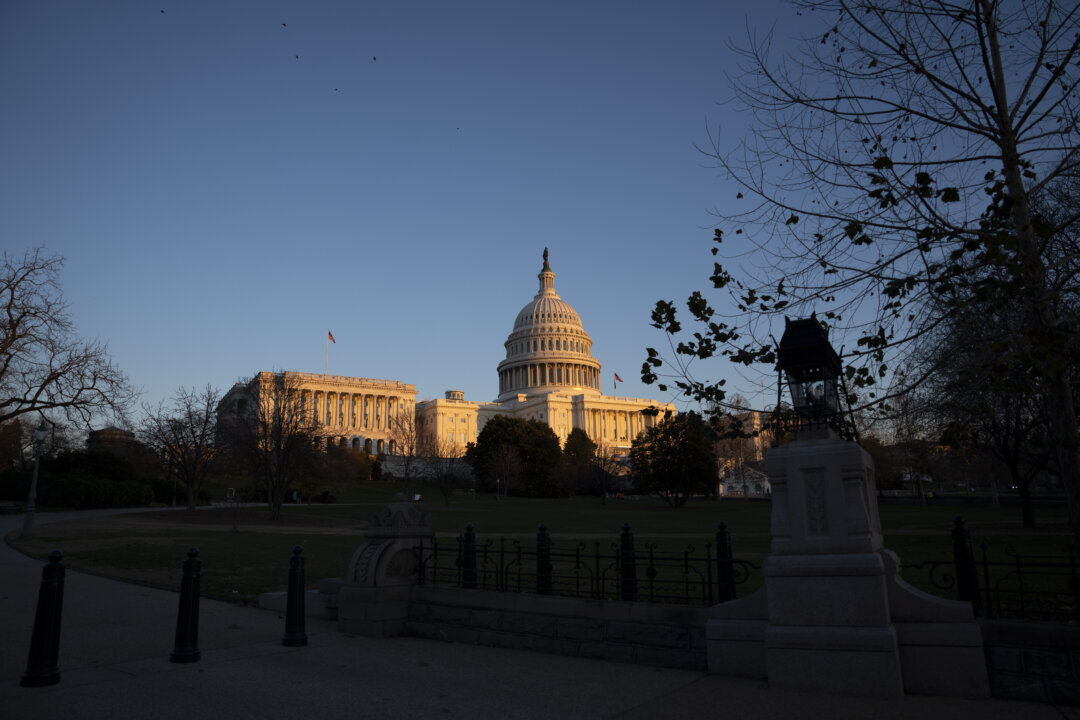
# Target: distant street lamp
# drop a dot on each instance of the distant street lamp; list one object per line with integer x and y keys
{"x": 40, "y": 434}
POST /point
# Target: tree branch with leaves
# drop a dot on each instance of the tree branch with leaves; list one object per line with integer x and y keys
{"x": 888, "y": 179}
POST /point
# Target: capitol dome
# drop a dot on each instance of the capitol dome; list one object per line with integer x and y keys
{"x": 548, "y": 349}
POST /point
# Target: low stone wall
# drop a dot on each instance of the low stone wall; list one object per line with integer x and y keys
{"x": 631, "y": 632}
{"x": 1033, "y": 661}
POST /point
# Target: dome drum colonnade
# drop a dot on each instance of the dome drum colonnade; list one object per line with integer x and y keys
{"x": 548, "y": 349}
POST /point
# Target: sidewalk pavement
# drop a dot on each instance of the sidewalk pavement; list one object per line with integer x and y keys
{"x": 116, "y": 639}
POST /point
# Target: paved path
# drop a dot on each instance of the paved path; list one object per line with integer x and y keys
{"x": 117, "y": 637}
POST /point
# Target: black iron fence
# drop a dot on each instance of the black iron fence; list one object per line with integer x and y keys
{"x": 1005, "y": 583}
{"x": 620, "y": 570}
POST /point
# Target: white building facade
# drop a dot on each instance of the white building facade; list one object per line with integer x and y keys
{"x": 352, "y": 411}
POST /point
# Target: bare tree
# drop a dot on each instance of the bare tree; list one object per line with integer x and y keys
{"x": 274, "y": 435}
{"x": 182, "y": 434}
{"x": 987, "y": 402}
{"x": 889, "y": 178}
{"x": 44, "y": 365}
{"x": 446, "y": 466}
{"x": 609, "y": 472}
{"x": 406, "y": 443}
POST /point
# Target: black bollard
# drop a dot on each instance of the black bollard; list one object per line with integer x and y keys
{"x": 294, "y": 604}
{"x": 468, "y": 567}
{"x": 627, "y": 564}
{"x": 543, "y": 561}
{"x": 725, "y": 568}
{"x": 42, "y": 668}
{"x": 187, "y": 619}
{"x": 967, "y": 578}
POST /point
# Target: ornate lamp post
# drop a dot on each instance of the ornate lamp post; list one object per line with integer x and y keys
{"x": 40, "y": 433}
{"x": 813, "y": 370}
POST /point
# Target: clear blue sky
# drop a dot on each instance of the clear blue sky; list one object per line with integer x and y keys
{"x": 222, "y": 202}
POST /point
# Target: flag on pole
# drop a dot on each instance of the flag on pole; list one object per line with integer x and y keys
{"x": 329, "y": 339}
{"x": 617, "y": 378}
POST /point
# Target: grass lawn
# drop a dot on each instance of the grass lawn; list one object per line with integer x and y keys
{"x": 254, "y": 557}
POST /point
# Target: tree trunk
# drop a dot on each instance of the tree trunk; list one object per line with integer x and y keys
{"x": 1026, "y": 511}
{"x": 1054, "y": 361}
{"x": 1023, "y": 486}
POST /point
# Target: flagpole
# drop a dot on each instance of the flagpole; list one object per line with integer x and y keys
{"x": 326, "y": 368}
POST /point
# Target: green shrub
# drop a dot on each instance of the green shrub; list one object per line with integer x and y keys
{"x": 80, "y": 480}
{"x": 79, "y": 491}
{"x": 15, "y": 484}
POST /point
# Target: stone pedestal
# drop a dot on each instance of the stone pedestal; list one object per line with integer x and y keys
{"x": 373, "y": 598}
{"x": 834, "y": 615}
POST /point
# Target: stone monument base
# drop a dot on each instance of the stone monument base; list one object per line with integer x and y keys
{"x": 928, "y": 646}
{"x": 834, "y": 615}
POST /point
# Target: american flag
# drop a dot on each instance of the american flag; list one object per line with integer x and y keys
{"x": 330, "y": 336}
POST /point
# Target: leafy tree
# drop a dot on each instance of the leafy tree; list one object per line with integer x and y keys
{"x": 888, "y": 179}
{"x": 183, "y": 435}
{"x": 579, "y": 446}
{"x": 579, "y": 468}
{"x": 44, "y": 365}
{"x": 676, "y": 458}
{"x": 522, "y": 454}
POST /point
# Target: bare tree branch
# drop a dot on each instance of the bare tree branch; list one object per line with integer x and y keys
{"x": 183, "y": 436}
{"x": 44, "y": 365}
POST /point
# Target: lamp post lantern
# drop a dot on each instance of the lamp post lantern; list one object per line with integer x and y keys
{"x": 40, "y": 433}
{"x": 812, "y": 369}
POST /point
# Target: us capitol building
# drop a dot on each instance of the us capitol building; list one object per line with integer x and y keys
{"x": 548, "y": 374}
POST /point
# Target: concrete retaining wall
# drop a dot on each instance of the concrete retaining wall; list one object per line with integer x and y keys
{"x": 631, "y": 632}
